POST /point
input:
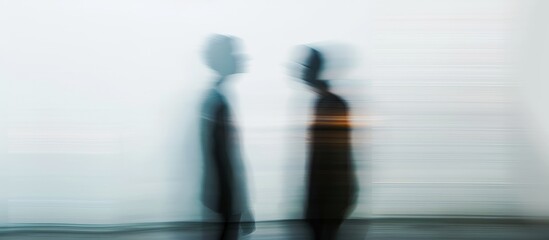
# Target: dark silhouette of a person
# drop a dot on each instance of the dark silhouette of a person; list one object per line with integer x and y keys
{"x": 224, "y": 183}
{"x": 331, "y": 182}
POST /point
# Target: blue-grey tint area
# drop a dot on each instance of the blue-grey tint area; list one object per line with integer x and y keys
{"x": 101, "y": 105}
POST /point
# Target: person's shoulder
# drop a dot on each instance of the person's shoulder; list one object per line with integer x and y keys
{"x": 214, "y": 96}
{"x": 338, "y": 99}
{"x": 334, "y": 100}
{"x": 213, "y": 101}
{"x": 213, "y": 104}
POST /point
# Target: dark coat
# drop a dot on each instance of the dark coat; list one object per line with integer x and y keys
{"x": 224, "y": 185}
{"x": 331, "y": 183}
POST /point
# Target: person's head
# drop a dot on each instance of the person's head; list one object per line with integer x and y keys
{"x": 311, "y": 64}
{"x": 220, "y": 55}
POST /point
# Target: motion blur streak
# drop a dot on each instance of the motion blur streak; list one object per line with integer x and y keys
{"x": 429, "y": 119}
{"x": 224, "y": 179}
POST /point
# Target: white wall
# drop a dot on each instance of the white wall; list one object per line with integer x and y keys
{"x": 99, "y": 105}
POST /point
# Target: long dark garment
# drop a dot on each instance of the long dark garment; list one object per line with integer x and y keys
{"x": 224, "y": 185}
{"x": 331, "y": 181}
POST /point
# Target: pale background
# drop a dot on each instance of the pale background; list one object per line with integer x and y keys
{"x": 99, "y": 105}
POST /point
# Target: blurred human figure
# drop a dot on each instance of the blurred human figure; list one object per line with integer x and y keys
{"x": 224, "y": 183}
{"x": 331, "y": 183}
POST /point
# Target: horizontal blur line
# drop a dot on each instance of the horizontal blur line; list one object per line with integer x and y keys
{"x": 505, "y": 66}
{"x": 461, "y": 219}
{"x": 96, "y": 228}
{"x": 387, "y": 114}
{"x": 438, "y": 84}
{"x": 447, "y": 183}
{"x": 448, "y": 144}
{"x": 155, "y": 226}
{"x": 450, "y": 128}
{"x": 441, "y": 17}
{"x": 434, "y": 49}
{"x": 441, "y": 101}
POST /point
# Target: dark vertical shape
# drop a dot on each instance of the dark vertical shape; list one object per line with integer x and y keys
{"x": 331, "y": 181}
{"x": 224, "y": 184}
